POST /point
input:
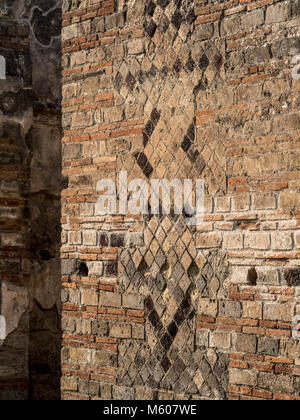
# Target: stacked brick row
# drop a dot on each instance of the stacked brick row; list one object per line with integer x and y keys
{"x": 134, "y": 79}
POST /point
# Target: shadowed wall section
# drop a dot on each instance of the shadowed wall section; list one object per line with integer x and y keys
{"x": 30, "y": 121}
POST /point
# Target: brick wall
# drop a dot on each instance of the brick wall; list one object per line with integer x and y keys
{"x": 14, "y": 227}
{"x": 30, "y": 185}
{"x": 152, "y": 308}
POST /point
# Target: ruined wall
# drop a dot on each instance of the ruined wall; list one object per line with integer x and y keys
{"x": 30, "y": 162}
{"x": 45, "y": 187}
{"x": 15, "y": 251}
{"x": 152, "y": 308}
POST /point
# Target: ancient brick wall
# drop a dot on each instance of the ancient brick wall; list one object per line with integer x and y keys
{"x": 152, "y": 308}
{"x": 30, "y": 180}
{"x": 45, "y": 187}
{"x": 15, "y": 253}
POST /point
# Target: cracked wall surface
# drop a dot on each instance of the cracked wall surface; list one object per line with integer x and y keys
{"x": 153, "y": 308}
{"x": 30, "y": 199}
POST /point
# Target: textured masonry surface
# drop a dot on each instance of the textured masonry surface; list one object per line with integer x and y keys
{"x": 30, "y": 185}
{"x": 153, "y": 309}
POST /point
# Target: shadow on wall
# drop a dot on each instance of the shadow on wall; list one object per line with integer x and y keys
{"x": 30, "y": 354}
{"x": 44, "y": 353}
{"x": 45, "y": 189}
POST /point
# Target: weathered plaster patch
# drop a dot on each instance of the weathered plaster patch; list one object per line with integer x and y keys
{"x": 2, "y": 327}
{"x": 44, "y": 286}
{"x": 2, "y": 68}
{"x": 15, "y": 301}
{"x": 44, "y": 19}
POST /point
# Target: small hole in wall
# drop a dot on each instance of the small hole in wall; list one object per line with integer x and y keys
{"x": 143, "y": 268}
{"x": 45, "y": 255}
{"x": 64, "y": 183}
{"x": 165, "y": 267}
{"x": 83, "y": 269}
{"x": 252, "y": 277}
{"x": 292, "y": 277}
{"x": 193, "y": 271}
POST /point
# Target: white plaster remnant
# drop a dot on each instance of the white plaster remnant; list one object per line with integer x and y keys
{"x": 2, "y": 327}
{"x": 15, "y": 301}
{"x": 2, "y": 68}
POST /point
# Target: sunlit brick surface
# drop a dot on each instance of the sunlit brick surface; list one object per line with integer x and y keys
{"x": 152, "y": 308}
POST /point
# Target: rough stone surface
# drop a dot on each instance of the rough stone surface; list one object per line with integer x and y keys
{"x": 30, "y": 184}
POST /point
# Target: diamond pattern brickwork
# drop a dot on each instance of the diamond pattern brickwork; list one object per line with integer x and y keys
{"x": 154, "y": 309}
{"x": 170, "y": 147}
{"x": 167, "y": 271}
